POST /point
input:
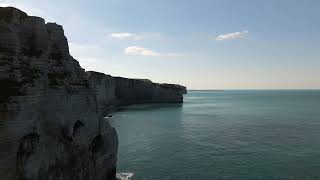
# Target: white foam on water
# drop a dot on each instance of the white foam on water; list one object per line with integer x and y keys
{"x": 124, "y": 176}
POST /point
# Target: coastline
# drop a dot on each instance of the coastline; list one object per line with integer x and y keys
{"x": 52, "y": 110}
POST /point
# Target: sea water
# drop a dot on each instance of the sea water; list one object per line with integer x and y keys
{"x": 240, "y": 135}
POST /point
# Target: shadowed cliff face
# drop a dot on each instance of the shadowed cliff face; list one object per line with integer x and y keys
{"x": 51, "y": 110}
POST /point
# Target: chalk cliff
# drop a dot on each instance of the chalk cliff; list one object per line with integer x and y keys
{"x": 51, "y": 110}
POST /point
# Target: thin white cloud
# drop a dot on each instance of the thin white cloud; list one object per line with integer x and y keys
{"x": 137, "y": 50}
{"x": 232, "y": 36}
{"x": 122, "y": 35}
{"x": 133, "y": 36}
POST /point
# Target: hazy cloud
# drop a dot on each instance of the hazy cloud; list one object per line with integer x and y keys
{"x": 231, "y": 36}
{"x": 121, "y": 35}
{"x": 93, "y": 57}
{"x": 137, "y": 50}
{"x": 133, "y": 36}
{"x": 84, "y": 51}
{"x": 174, "y": 54}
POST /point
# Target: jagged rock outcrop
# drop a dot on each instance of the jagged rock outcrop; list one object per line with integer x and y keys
{"x": 51, "y": 110}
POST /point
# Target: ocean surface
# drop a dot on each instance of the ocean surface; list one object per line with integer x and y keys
{"x": 236, "y": 135}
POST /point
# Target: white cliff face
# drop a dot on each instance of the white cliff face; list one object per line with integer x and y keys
{"x": 50, "y": 123}
{"x": 51, "y": 110}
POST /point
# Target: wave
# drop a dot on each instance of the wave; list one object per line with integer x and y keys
{"x": 124, "y": 176}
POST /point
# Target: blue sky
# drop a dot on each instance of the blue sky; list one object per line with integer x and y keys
{"x": 203, "y": 44}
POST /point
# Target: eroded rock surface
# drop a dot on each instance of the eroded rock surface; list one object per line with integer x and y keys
{"x": 51, "y": 110}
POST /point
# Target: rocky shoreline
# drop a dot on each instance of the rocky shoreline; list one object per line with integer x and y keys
{"x": 52, "y": 110}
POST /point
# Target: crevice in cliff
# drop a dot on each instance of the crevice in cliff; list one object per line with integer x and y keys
{"x": 27, "y": 147}
{"x": 76, "y": 127}
{"x": 96, "y": 144}
{"x": 65, "y": 137}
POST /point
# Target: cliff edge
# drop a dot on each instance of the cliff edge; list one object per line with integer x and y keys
{"x": 52, "y": 111}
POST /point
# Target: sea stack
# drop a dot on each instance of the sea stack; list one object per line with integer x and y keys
{"x": 51, "y": 109}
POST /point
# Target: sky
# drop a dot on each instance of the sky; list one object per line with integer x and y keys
{"x": 202, "y": 44}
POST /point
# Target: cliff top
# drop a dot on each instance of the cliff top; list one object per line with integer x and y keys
{"x": 45, "y": 41}
{"x": 9, "y": 13}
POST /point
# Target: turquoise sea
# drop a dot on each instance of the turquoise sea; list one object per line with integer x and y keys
{"x": 223, "y": 135}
